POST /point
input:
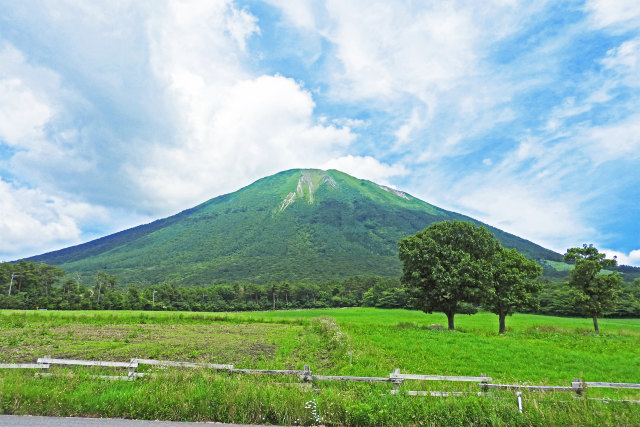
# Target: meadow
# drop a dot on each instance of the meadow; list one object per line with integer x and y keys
{"x": 355, "y": 341}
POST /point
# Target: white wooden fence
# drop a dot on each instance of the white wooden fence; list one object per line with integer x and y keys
{"x": 395, "y": 378}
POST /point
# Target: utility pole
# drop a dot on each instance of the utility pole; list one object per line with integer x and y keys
{"x": 11, "y": 284}
{"x": 154, "y": 298}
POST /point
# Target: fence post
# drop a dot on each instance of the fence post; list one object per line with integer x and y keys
{"x": 397, "y": 381}
{"x": 483, "y": 383}
{"x": 579, "y": 386}
{"x": 306, "y": 375}
{"x": 133, "y": 368}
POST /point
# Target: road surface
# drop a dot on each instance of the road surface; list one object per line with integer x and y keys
{"x": 33, "y": 421}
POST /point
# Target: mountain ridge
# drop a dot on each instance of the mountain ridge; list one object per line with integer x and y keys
{"x": 299, "y": 224}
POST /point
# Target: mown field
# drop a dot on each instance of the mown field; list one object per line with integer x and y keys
{"x": 359, "y": 341}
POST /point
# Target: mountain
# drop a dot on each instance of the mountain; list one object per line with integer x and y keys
{"x": 297, "y": 225}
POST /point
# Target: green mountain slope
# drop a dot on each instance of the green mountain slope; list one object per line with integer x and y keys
{"x": 296, "y": 225}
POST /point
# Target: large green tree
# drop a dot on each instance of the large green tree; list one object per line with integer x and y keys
{"x": 593, "y": 292}
{"x": 446, "y": 266}
{"x": 512, "y": 287}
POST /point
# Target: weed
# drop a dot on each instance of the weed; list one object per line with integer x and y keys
{"x": 328, "y": 328}
{"x": 13, "y": 341}
{"x": 407, "y": 325}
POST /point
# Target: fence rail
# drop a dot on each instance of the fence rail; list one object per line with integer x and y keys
{"x": 611, "y": 385}
{"x": 530, "y": 387}
{"x": 181, "y": 364}
{"x": 24, "y": 366}
{"x": 108, "y": 364}
{"x": 396, "y": 378}
{"x": 439, "y": 377}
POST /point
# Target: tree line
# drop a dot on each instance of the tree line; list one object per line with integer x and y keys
{"x": 41, "y": 286}
{"x": 453, "y": 267}
{"x": 456, "y": 266}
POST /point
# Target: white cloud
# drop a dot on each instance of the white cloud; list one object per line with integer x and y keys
{"x": 620, "y": 14}
{"x": 431, "y": 52}
{"x": 405, "y": 133}
{"x": 412, "y": 50}
{"x": 450, "y": 146}
{"x": 32, "y": 220}
{"x": 631, "y": 258}
{"x": 22, "y": 114}
{"x": 612, "y": 142}
{"x": 366, "y": 167}
{"x": 528, "y": 211}
{"x": 24, "y": 109}
{"x": 234, "y": 127}
{"x": 425, "y": 65}
{"x": 625, "y": 60}
{"x": 523, "y": 191}
{"x": 299, "y": 12}
{"x": 51, "y": 152}
{"x": 262, "y": 126}
{"x": 201, "y": 124}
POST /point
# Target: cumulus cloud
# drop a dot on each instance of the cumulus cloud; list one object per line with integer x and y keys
{"x": 33, "y": 219}
{"x": 22, "y": 114}
{"x": 210, "y": 125}
{"x": 263, "y": 125}
{"x": 234, "y": 126}
{"x": 24, "y": 107}
{"x": 624, "y": 258}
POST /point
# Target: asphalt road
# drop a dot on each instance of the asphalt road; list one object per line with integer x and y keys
{"x": 33, "y": 421}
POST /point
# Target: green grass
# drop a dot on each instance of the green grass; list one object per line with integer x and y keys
{"x": 538, "y": 349}
{"x": 560, "y": 266}
{"x": 364, "y": 342}
{"x": 201, "y": 396}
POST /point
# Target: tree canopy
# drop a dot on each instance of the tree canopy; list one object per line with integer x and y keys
{"x": 595, "y": 293}
{"x": 447, "y": 266}
{"x": 512, "y": 287}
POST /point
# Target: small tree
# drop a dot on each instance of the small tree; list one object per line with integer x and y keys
{"x": 512, "y": 287}
{"x": 446, "y": 266}
{"x": 594, "y": 293}
{"x": 106, "y": 281}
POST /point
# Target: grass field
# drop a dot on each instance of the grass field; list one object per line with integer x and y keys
{"x": 364, "y": 342}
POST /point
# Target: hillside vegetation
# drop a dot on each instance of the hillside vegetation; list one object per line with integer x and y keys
{"x": 297, "y": 225}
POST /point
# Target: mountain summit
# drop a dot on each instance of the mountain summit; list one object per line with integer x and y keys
{"x": 297, "y": 225}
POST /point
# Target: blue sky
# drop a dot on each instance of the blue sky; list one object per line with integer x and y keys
{"x": 525, "y": 115}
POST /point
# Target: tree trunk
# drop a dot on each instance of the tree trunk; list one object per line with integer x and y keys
{"x": 450, "y": 319}
{"x": 595, "y": 323}
{"x": 502, "y": 323}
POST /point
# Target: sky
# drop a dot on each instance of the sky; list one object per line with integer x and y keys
{"x": 524, "y": 115}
